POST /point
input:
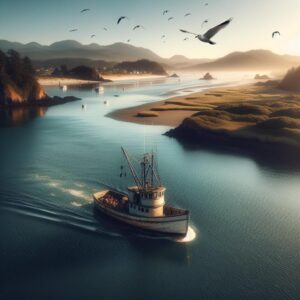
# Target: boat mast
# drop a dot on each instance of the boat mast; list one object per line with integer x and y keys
{"x": 132, "y": 170}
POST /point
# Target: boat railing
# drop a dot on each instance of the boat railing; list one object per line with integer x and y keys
{"x": 172, "y": 211}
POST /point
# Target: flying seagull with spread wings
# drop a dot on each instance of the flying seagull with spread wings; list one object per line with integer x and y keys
{"x": 104, "y": 28}
{"x": 188, "y": 14}
{"x": 206, "y": 37}
{"x": 165, "y": 11}
{"x": 84, "y": 10}
{"x": 93, "y": 35}
{"x": 274, "y": 34}
{"x": 171, "y": 18}
{"x": 73, "y": 30}
{"x": 138, "y": 26}
{"x": 121, "y": 18}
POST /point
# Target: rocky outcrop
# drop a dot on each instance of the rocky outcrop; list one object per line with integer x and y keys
{"x": 291, "y": 81}
{"x": 19, "y": 86}
{"x": 174, "y": 76}
{"x": 207, "y": 76}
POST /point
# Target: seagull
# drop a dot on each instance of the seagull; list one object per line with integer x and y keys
{"x": 104, "y": 28}
{"x": 73, "y": 30}
{"x": 93, "y": 35}
{"x": 185, "y": 39}
{"x": 121, "y": 18}
{"x": 206, "y": 4}
{"x": 163, "y": 36}
{"x": 165, "y": 12}
{"x": 206, "y": 37}
{"x": 188, "y": 14}
{"x": 84, "y": 10}
{"x": 128, "y": 41}
{"x": 204, "y": 22}
{"x": 137, "y": 27}
{"x": 274, "y": 34}
{"x": 171, "y": 18}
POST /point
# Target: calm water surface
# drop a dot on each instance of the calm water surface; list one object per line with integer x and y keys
{"x": 245, "y": 211}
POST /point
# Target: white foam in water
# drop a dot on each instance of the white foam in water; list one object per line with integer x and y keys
{"x": 190, "y": 236}
{"x": 58, "y": 185}
{"x": 76, "y": 204}
{"x": 77, "y": 193}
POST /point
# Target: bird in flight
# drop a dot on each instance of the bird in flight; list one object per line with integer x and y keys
{"x": 137, "y": 27}
{"x": 93, "y": 35}
{"x": 188, "y": 14}
{"x": 84, "y": 10}
{"x": 274, "y": 34}
{"x": 206, "y": 37}
{"x": 204, "y": 22}
{"x": 121, "y": 18}
{"x": 104, "y": 28}
{"x": 171, "y": 18}
{"x": 73, "y": 30}
{"x": 128, "y": 41}
{"x": 163, "y": 36}
{"x": 165, "y": 11}
{"x": 185, "y": 39}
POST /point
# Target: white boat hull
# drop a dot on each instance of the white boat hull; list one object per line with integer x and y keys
{"x": 177, "y": 225}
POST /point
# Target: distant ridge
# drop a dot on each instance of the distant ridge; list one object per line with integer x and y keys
{"x": 250, "y": 60}
{"x": 118, "y": 52}
{"x": 72, "y": 49}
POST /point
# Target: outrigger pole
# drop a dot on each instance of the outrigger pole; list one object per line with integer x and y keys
{"x": 132, "y": 170}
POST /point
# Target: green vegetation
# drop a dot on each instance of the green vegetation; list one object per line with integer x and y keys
{"x": 17, "y": 79}
{"x": 141, "y": 67}
{"x": 79, "y": 72}
{"x": 253, "y": 114}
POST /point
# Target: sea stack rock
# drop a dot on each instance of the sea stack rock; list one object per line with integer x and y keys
{"x": 207, "y": 76}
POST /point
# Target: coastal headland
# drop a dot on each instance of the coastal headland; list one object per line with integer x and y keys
{"x": 256, "y": 114}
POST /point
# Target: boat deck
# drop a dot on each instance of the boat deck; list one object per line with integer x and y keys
{"x": 119, "y": 202}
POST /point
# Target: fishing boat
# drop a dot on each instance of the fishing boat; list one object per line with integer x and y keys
{"x": 144, "y": 205}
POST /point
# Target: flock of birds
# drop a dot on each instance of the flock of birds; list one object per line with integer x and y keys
{"x": 205, "y": 38}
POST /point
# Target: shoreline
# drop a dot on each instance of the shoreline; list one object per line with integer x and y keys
{"x": 259, "y": 115}
{"x": 56, "y": 81}
{"x": 171, "y": 118}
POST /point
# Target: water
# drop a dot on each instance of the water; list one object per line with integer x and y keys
{"x": 244, "y": 240}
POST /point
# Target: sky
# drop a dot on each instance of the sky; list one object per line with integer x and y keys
{"x": 45, "y": 22}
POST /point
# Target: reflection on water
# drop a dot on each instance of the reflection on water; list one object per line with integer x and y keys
{"x": 16, "y": 116}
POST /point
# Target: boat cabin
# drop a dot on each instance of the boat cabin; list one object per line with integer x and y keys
{"x": 147, "y": 201}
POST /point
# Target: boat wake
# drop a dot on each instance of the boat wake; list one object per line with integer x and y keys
{"x": 190, "y": 236}
{"x": 77, "y": 213}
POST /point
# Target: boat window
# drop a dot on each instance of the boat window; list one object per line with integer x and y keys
{"x": 154, "y": 195}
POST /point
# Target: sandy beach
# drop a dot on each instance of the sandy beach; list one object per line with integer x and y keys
{"x": 55, "y": 81}
{"x": 169, "y": 112}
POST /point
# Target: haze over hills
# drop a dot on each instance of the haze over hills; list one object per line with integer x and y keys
{"x": 251, "y": 60}
{"x": 70, "y": 49}
{"x": 76, "y": 53}
{"x": 73, "y": 49}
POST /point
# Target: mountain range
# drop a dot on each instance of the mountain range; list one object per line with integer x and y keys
{"x": 74, "y": 52}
